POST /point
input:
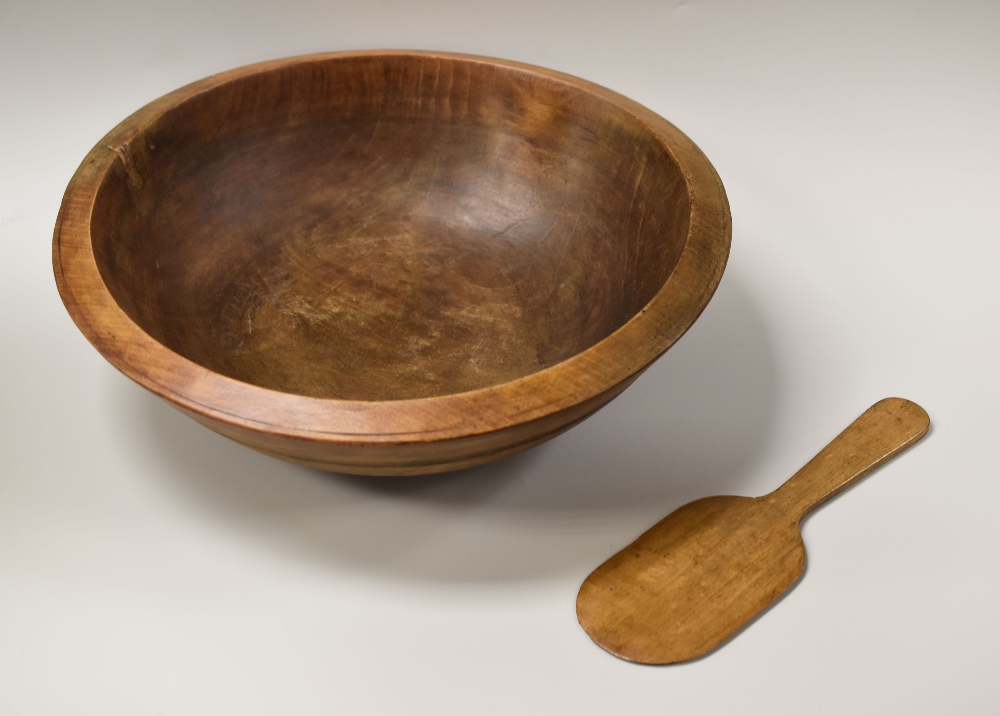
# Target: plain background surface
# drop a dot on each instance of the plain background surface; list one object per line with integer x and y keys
{"x": 148, "y": 566}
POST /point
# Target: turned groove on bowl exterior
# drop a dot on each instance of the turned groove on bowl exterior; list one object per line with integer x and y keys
{"x": 390, "y": 262}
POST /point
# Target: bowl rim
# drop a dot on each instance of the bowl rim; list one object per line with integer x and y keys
{"x": 608, "y": 363}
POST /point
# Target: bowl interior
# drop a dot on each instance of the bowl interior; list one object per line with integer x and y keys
{"x": 379, "y": 228}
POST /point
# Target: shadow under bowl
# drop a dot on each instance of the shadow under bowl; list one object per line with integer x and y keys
{"x": 390, "y": 262}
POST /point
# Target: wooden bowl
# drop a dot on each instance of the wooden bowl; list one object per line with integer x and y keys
{"x": 390, "y": 262}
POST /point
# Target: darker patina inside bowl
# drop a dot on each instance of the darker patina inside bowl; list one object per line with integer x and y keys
{"x": 395, "y": 230}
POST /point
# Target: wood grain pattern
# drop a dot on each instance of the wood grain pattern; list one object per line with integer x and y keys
{"x": 390, "y": 262}
{"x": 696, "y": 577}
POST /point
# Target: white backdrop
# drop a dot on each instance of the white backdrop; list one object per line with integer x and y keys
{"x": 150, "y": 566}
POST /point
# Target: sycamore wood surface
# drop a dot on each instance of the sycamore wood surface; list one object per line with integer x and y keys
{"x": 698, "y": 576}
{"x": 390, "y": 262}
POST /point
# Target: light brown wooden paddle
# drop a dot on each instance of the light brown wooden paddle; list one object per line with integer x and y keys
{"x": 696, "y": 577}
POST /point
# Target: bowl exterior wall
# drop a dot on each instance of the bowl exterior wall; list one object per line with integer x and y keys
{"x": 413, "y": 458}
